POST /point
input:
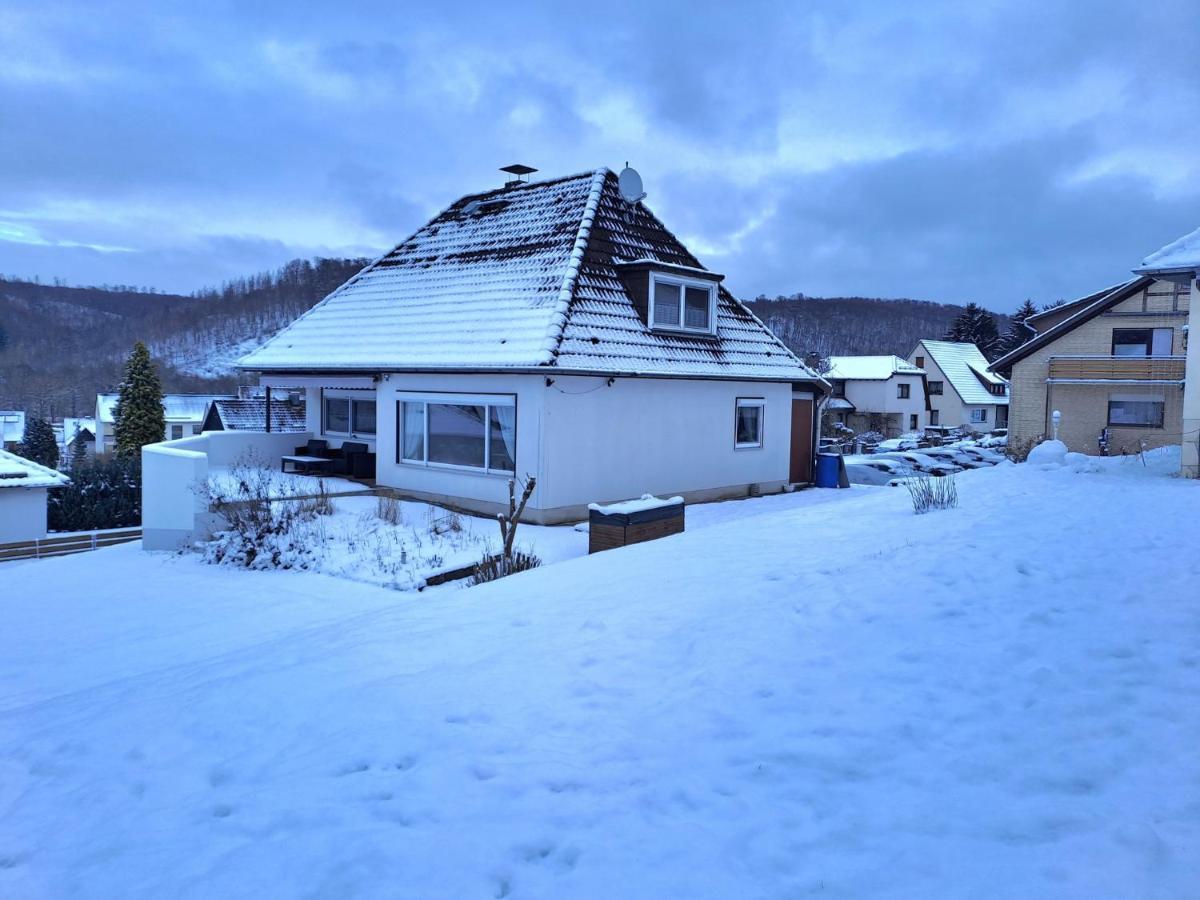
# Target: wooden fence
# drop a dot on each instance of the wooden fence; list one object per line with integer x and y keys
{"x": 67, "y": 544}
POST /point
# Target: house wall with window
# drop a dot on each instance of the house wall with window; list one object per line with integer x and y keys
{"x": 946, "y": 406}
{"x": 585, "y": 439}
{"x": 889, "y": 405}
{"x": 1085, "y": 408}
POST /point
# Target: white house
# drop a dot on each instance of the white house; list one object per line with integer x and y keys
{"x": 184, "y": 414}
{"x": 1179, "y": 262}
{"x": 554, "y": 329}
{"x": 881, "y": 393}
{"x": 962, "y": 390}
{"x": 12, "y": 427}
{"x": 23, "y": 489}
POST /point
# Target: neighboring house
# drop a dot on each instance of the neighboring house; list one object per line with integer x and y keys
{"x": 963, "y": 392}
{"x": 23, "y": 490}
{"x": 554, "y": 329}
{"x": 12, "y": 428}
{"x": 251, "y": 415}
{"x": 1111, "y": 363}
{"x": 881, "y": 393}
{"x": 1179, "y": 264}
{"x": 81, "y": 430}
{"x": 184, "y": 414}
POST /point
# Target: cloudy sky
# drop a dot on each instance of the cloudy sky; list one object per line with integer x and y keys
{"x": 961, "y": 151}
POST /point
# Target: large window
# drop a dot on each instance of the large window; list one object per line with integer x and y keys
{"x": 1142, "y": 341}
{"x": 936, "y": 387}
{"x": 748, "y": 423}
{"x": 1145, "y": 411}
{"x": 347, "y": 414}
{"x": 680, "y": 305}
{"x": 902, "y": 391}
{"x": 477, "y": 432}
{"x": 978, "y": 416}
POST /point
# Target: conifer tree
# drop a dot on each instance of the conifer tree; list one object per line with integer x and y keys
{"x": 1017, "y": 334}
{"x": 975, "y": 325}
{"x": 138, "y": 417}
{"x": 38, "y": 443}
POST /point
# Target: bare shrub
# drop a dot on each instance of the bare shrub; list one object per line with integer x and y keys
{"x": 929, "y": 493}
{"x": 389, "y": 510}
{"x": 261, "y": 531}
{"x": 492, "y": 567}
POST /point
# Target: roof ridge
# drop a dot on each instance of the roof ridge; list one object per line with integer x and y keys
{"x": 558, "y": 322}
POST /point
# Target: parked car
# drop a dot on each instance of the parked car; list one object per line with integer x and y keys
{"x": 920, "y": 462}
{"x": 877, "y": 470}
{"x": 892, "y": 445}
{"x": 957, "y": 457}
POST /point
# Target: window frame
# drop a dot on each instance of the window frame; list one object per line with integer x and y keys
{"x": 451, "y": 398}
{"x": 353, "y": 396}
{"x": 939, "y": 391}
{"x": 1158, "y": 400}
{"x": 983, "y": 416}
{"x": 683, "y": 283}
{"x": 1147, "y": 344}
{"x": 176, "y": 426}
{"x": 903, "y": 390}
{"x": 934, "y": 415}
{"x": 759, "y": 403}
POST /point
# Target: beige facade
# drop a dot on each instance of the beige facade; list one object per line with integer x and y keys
{"x": 1078, "y": 375}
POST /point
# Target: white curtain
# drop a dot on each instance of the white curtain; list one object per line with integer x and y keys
{"x": 414, "y": 431}
{"x": 506, "y": 418}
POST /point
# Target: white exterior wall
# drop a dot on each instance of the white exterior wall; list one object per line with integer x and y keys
{"x": 1191, "y": 389}
{"x": 952, "y": 411}
{"x": 22, "y": 514}
{"x": 590, "y": 442}
{"x": 658, "y": 436}
{"x": 883, "y": 397}
{"x": 174, "y": 511}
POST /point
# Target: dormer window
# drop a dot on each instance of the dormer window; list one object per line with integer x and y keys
{"x": 680, "y": 304}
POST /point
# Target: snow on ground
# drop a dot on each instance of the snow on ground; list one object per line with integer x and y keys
{"x": 832, "y": 698}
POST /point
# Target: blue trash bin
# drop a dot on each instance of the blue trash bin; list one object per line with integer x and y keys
{"x": 828, "y": 470}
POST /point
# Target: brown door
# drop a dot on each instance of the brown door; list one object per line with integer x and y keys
{"x": 802, "y": 460}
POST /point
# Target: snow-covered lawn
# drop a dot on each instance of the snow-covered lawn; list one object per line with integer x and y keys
{"x": 828, "y": 697}
{"x": 355, "y": 542}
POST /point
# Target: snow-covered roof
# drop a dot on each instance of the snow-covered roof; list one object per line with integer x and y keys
{"x": 73, "y": 425}
{"x": 16, "y": 471}
{"x": 250, "y": 414}
{"x": 12, "y": 425}
{"x": 966, "y": 368}
{"x": 1182, "y": 255}
{"x": 521, "y": 278}
{"x": 838, "y": 402}
{"x": 176, "y": 407}
{"x": 870, "y": 368}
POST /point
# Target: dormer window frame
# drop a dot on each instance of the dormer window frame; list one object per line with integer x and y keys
{"x": 684, "y": 284}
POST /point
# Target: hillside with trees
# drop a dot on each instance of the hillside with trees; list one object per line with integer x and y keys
{"x": 61, "y": 345}
{"x": 858, "y": 326}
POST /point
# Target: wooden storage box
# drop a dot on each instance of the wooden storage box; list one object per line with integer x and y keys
{"x": 632, "y": 522}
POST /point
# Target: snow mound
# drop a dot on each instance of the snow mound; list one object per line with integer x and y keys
{"x": 1049, "y": 453}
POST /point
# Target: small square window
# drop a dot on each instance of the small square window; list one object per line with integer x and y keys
{"x": 936, "y": 387}
{"x": 978, "y": 415}
{"x": 920, "y": 362}
{"x": 748, "y": 423}
{"x": 176, "y": 432}
{"x": 902, "y": 391}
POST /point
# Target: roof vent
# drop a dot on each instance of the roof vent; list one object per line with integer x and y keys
{"x": 520, "y": 174}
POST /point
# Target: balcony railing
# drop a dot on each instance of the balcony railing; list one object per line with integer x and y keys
{"x": 1117, "y": 368}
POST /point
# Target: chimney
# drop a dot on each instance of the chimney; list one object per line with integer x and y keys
{"x": 520, "y": 174}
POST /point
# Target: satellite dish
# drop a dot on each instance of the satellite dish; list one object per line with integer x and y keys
{"x": 629, "y": 182}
